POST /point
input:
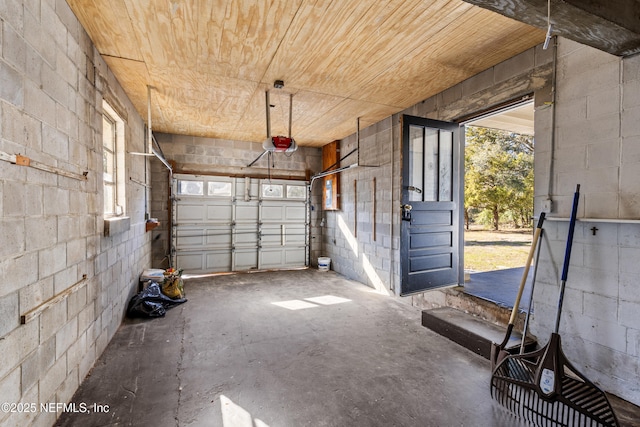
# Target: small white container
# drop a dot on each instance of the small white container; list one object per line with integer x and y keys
{"x": 155, "y": 274}
{"x": 324, "y": 263}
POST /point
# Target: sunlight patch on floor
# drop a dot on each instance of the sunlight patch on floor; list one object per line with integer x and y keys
{"x": 297, "y": 304}
{"x": 234, "y": 415}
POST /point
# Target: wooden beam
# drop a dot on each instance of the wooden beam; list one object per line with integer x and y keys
{"x": 609, "y": 26}
{"x": 36, "y": 311}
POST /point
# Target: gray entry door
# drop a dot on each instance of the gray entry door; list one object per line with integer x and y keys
{"x": 431, "y": 204}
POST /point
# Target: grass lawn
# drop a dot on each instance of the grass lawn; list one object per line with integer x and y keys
{"x": 486, "y": 250}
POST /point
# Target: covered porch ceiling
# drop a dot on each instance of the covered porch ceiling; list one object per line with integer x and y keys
{"x": 210, "y": 62}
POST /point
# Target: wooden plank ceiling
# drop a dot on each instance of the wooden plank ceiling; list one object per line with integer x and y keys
{"x": 210, "y": 61}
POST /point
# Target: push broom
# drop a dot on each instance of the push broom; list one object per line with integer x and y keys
{"x": 543, "y": 387}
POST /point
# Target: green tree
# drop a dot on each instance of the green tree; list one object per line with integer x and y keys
{"x": 498, "y": 176}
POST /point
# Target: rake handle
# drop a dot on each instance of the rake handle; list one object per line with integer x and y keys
{"x": 567, "y": 255}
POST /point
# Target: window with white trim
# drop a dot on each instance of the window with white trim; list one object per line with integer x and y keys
{"x": 113, "y": 167}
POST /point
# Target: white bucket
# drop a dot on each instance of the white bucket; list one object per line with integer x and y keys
{"x": 324, "y": 263}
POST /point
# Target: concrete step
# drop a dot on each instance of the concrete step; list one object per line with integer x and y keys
{"x": 472, "y": 332}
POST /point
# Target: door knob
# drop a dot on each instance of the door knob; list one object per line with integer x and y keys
{"x": 406, "y": 212}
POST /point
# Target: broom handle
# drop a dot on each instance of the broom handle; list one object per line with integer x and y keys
{"x": 525, "y": 274}
{"x": 525, "y": 328}
{"x": 567, "y": 255}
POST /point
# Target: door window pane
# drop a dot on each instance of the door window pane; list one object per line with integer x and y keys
{"x": 430, "y": 190}
{"x": 190, "y": 188}
{"x": 216, "y": 188}
{"x": 271, "y": 191}
{"x": 446, "y": 166}
{"x": 296, "y": 192}
{"x": 416, "y": 156}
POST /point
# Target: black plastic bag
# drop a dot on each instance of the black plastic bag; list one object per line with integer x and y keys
{"x": 151, "y": 302}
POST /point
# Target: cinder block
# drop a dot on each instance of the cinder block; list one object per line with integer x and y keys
{"x": 40, "y": 232}
{"x": 55, "y": 142}
{"x": 24, "y": 418}
{"x": 629, "y": 289}
{"x": 52, "y": 260}
{"x": 629, "y": 314}
{"x": 38, "y": 362}
{"x": 66, "y": 336}
{"x": 515, "y": 66}
{"x": 591, "y": 280}
{"x": 76, "y": 302}
{"x": 52, "y": 319}
{"x": 11, "y": 85}
{"x": 10, "y": 390}
{"x": 629, "y": 204}
{"x": 598, "y": 331}
{"x": 586, "y": 77}
{"x": 21, "y": 270}
{"x": 629, "y": 260}
{"x": 12, "y": 199}
{"x": 87, "y": 362}
{"x": 477, "y": 83}
{"x": 603, "y": 154}
{"x": 603, "y": 102}
{"x": 630, "y": 147}
{"x": 14, "y": 48}
{"x": 13, "y": 242}
{"x": 38, "y": 104}
{"x": 52, "y": 379}
{"x": 630, "y": 126}
{"x": 76, "y": 251}
{"x": 16, "y": 345}
{"x": 52, "y": 24}
{"x": 600, "y": 307}
{"x": 35, "y": 294}
{"x": 9, "y": 316}
{"x": 633, "y": 342}
{"x": 68, "y": 386}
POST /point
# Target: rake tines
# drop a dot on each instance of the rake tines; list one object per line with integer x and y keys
{"x": 569, "y": 401}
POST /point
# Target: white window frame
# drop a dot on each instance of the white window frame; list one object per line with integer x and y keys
{"x": 117, "y": 148}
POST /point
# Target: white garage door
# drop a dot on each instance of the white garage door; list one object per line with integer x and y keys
{"x": 238, "y": 224}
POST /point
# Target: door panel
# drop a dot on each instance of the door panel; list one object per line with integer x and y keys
{"x": 431, "y": 202}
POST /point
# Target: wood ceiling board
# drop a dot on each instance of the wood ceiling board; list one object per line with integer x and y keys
{"x": 342, "y": 120}
{"x": 108, "y": 26}
{"x": 307, "y": 106}
{"x": 428, "y": 72}
{"x": 239, "y": 39}
{"x": 211, "y": 61}
{"x": 133, "y": 78}
{"x": 344, "y": 61}
{"x": 214, "y": 100}
{"x": 166, "y": 31}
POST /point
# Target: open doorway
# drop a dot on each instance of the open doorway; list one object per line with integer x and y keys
{"x": 499, "y": 150}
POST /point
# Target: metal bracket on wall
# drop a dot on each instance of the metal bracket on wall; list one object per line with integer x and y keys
{"x": 26, "y": 161}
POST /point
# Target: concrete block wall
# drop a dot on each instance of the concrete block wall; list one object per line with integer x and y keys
{"x": 596, "y": 142}
{"x": 377, "y": 263}
{"x": 192, "y": 154}
{"x": 52, "y": 83}
{"x": 348, "y": 234}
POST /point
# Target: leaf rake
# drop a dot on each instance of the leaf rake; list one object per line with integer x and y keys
{"x": 543, "y": 387}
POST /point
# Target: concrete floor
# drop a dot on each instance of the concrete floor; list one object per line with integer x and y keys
{"x": 294, "y": 348}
